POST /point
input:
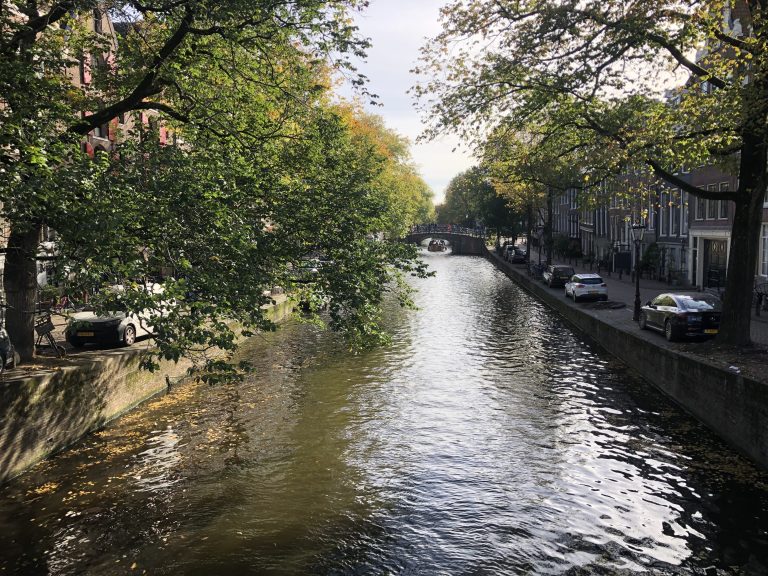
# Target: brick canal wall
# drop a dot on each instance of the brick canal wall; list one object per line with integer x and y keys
{"x": 734, "y": 406}
{"x": 42, "y": 413}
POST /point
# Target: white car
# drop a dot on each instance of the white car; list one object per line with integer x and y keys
{"x": 113, "y": 328}
{"x": 586, "y": 286}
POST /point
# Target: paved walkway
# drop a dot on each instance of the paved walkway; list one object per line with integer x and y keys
{"x": 623, "y": 290}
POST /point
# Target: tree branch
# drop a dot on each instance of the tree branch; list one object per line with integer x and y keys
{"x": 145, "y": 88}
{"x": 165, "y": 108}
{"x": 687, "y": 187}
{"x": 34, "y": 26}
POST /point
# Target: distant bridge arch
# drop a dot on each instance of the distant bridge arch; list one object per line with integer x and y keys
{"x": 463, "y": 240}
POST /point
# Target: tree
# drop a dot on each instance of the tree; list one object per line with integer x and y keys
{"x": 603, "y": 66}
{"x": 471, "y": 198}
{"x": 264, "y": 174}
{"x": 533, "y": 167}
{"x": 408, "y": 198}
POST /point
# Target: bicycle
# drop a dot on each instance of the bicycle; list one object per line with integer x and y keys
{"x": 44, "y": 330}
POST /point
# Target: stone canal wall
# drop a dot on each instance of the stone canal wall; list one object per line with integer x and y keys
{"x": 734, "y": 406}
{"x": 44, "y": 411}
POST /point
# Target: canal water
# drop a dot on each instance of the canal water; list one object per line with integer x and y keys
{"x": 488, "y": 439}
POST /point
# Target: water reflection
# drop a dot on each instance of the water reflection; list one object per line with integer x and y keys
{"x": 489, "y": 439}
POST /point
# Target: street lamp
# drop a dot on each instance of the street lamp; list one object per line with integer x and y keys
{"x": 637, "y": 230}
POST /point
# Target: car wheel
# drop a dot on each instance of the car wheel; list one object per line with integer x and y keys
{"x": 129, "y": 336}
{"x": 642, "y": 321}
{"x": 575, "y": 298}
{"x": 669, "y": 332}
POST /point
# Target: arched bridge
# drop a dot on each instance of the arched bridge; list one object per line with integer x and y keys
{"x": 463, "y": 240}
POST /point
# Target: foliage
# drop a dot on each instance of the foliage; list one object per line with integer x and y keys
{"x": 408, "y": 198}
{"x": 265, "y": 172}
{"x": 471, "y": 198}
{"x": 651, "y": 258}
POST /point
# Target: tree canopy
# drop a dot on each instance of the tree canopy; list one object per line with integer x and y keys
{"x": 471, "y": 198}
{"x": 230, "y": 170}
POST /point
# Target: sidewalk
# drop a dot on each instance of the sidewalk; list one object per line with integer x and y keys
{"x": 624, "y": 291}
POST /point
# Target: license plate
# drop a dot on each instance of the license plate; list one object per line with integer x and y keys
{"x": 594, "y": 292}
{"x": 85, "y": 334}
{"x": 710, "y": 331}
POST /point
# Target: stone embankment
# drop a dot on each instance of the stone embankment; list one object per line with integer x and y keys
{"x": 45, "y": 409}
{"x": 730, "y": 400}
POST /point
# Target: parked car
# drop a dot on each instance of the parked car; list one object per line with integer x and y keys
{"x": 111, "y": 328}
{"x": 515, "y": 254}
{"x": 681, "y": 315}
{"x": 586, "y": 286}
{"x": 518, "y": 256}
{"x": 556, "y": 275}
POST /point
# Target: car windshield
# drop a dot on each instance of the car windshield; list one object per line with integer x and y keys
{"x": 563, "y": 272}
{"x": 699, "y": 303}
{"x": 589, "y": 280}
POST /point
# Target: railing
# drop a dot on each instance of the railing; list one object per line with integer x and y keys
{"x": 477, "y": 232}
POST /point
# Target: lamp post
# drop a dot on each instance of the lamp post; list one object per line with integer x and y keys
{"x": 637, "y": 230}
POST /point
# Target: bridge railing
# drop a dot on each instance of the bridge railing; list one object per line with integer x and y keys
{"x": 477, "y": 232}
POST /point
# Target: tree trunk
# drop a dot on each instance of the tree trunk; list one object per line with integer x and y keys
{"x": 529, "y": 218}
{"x": 20, "y": 278}
{"x": 745, "y": 242}
{"x": 549, "y": 242}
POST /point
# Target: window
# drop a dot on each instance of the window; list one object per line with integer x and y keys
{"x": 664, "y": 214}
{"x": 675, "y": 206}
{"x": 700, "y": 208}
{"x": 764, "y": 255}
{"x": 652, "y": 214}
{"x": 711, "y": 204}
{"x": 97, "y": 27}
{"x": 684, "y": 209}
{"x": 724, "y": 204}
{"x": 83, "y": 70}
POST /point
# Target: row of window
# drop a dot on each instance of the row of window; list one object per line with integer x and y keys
{"x": 713, "y": 209}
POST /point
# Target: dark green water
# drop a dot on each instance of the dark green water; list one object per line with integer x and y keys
{"x": 488, "y": 439}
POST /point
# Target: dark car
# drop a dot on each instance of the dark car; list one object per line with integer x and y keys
{"x": 556, "y": 275}
{"x": 518, "y": 256}
{"x": 681, "y": 315}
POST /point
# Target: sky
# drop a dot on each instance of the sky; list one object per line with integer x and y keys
{"x": 397, "y": 29}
